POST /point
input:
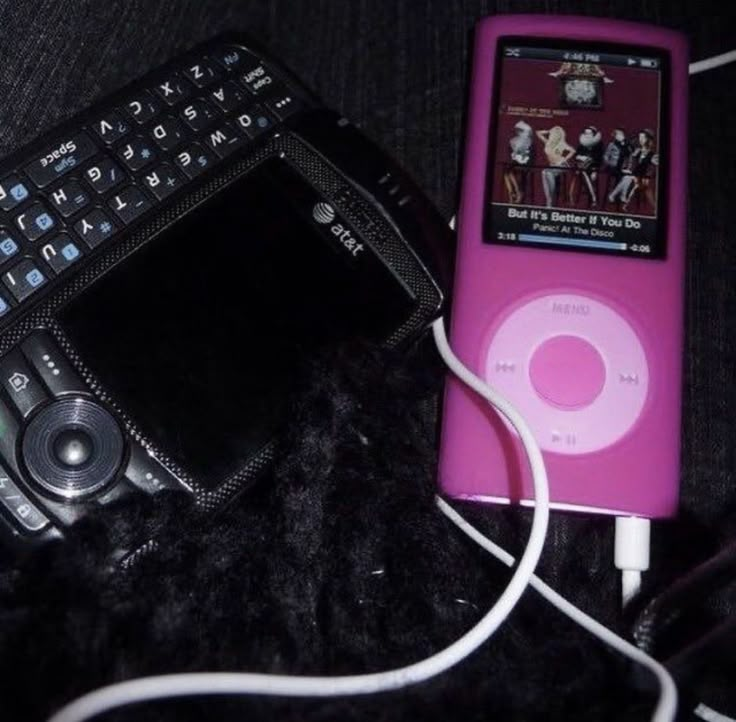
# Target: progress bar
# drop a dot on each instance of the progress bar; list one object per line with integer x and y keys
{"x": 582, "y": 242}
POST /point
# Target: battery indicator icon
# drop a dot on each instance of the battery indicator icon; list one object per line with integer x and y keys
{"x": 648, "y": 63}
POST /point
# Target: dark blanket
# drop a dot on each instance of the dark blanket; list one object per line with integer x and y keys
{"x": 339, "y": 563}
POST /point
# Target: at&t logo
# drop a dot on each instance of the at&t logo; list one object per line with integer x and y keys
{"x": 323, "y": 213}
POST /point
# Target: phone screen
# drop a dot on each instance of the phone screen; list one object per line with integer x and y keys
{"x": 577, "y": 148}
{"x": 200, "y": 335}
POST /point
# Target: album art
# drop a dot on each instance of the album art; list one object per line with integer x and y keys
{"x": 577, "y": 135}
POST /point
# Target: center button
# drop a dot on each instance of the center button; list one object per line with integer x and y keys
{"x": 73, "y": 447}
{"x": 568, "y": 372}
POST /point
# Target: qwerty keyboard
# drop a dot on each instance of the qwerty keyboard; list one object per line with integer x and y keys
{"x": 129, "y": 155}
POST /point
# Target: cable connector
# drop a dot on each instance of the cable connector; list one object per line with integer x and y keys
{"x": 631, "y": 553}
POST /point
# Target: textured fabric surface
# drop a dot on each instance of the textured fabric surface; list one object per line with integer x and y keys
{"x": 339, "y": 563}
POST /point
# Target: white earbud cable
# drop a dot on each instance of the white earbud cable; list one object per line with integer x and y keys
{"x": 235, "y": 683}
{"x": 701, "y": 66}
{"x": 209, "y": 683}
{"x": 667, "y": 703}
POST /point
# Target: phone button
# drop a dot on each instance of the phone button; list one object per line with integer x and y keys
{"x": 60, "y": 253}
{"x": 8, "y": 246}
{"x": 233, "y": 58}
{"x": 51, "y": 365}
{"x": 163, "y": 181}
{"x": 20, "y": 383}
{"x": 73, "y": 447}
{"x": 12, "y": 193}
{"x": 173, "y": 89}
{"x": 254, "y": 121}
{"x": 567, "y": 371}
{"x": 58, "y": 161}
{"x": 145, "y": 473}
{"x": 202, "y": 72}
{"x": 193, "y": 160}
{"x": 129, "y": 204}
{"x": 95, "y": 227}
{"x": 24, "y": 279}
{"x": 143, "y": 107}
{"x": 25, "y": 513}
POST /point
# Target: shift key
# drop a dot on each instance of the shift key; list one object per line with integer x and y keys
{"x": 60, "y": 159}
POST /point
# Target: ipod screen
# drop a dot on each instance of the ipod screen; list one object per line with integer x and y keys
{"x": 577, "y": 149}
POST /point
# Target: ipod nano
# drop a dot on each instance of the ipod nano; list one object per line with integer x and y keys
{"x": 568, "y": 295}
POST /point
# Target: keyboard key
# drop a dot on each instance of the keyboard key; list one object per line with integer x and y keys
{"x": 137, "y": 154}
{"x": 95, "y": 227}
{"x": 35, "y": 221}
{"x": 224, "y": 140}
{"x": 129, "y": 203}
{"x": 257, "y": 78}
{"x": 60, "y": 253}
{"x": 24, "y": 279}
{"x": 194, "y": 159}
{"x": 46, "y": 359}
{"x": 144, "y": 472}
{"x": 4, "y": 306}
{"x": 143, "y": 106}
{"x": 12, "y": 192}
{"x": 282, "y": 103}
{"x": 203, "y": 72}
{"x": 8, "y": 246}
{"x": 163, "y": 181}
{"x": 232, "y": 57}
{"x": 168, "y": 133}
{"x": 25, "y": 513}
{"x": 22, "y": 386}
{"x": 198, "y": 115}
{"x": 255, "y": 121}
{"x": 227, "y": 96}
{"x": 174, "y": 89}
{"x": 59, "y": 160}
{"x": 105, "y": 174}
{"x": 69, "y": 198}
{"x": 111, "y": 127}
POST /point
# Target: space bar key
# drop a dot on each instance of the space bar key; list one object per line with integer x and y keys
{"x": 68, "y": 153}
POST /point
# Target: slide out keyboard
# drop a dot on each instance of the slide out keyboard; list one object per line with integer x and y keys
{"x": 92, "y": 183}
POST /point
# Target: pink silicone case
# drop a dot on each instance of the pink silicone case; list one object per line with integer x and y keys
{"x": 480, "y": 458}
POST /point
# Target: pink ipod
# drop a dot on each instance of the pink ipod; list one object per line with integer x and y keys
{"x": 568, "y": 295}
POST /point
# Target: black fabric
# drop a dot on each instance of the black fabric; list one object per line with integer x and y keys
{"x": 339, "y": 562}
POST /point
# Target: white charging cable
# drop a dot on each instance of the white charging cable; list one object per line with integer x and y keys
{"x": 631, "y": 553}
{"x": 211, "y": 683}
{"x": 667, "y": 703}
{"x": 208, "y": 683}
{"x": 701, "y": 66}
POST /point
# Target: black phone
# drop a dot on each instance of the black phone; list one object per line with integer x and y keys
{"x": 167, "y": 257}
